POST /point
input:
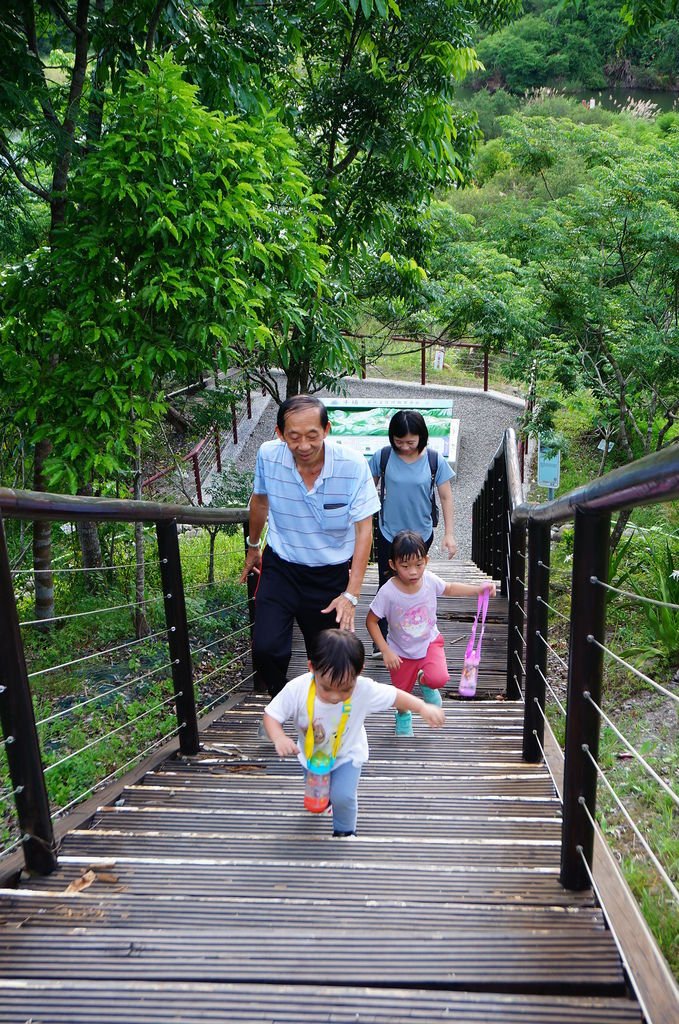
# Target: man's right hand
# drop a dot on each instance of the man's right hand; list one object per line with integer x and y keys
{"x": 253, "y": 561}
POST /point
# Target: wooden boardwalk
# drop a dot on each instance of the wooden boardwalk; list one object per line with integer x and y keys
{"x": 208, "y": 894}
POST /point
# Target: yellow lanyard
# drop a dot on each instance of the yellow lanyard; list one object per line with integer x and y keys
{"x": 309, "y": 742}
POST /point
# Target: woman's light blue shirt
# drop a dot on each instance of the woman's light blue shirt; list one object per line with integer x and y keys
{"x": 407, "y": 500}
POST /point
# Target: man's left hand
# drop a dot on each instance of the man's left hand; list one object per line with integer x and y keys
{"x": 344, "y": 612}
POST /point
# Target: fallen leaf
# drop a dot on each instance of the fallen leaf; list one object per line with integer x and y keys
{"x": 106, "y": 876}
{"x": 84, "y": 882}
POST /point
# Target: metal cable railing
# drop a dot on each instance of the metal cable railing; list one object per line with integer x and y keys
{"x": 120, "y": 717}
{"x": 632, "y": 824}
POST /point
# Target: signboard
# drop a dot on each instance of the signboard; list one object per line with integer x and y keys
{"x": 365, "y": 426}
{"x": 549, "y": 466}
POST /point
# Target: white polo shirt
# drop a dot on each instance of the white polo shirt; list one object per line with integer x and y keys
{"x": 314, "y": 527}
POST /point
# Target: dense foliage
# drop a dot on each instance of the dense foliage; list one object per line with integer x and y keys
{"x": 584, "y": 45}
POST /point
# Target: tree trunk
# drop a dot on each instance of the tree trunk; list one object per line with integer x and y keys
{"x": 42, "y": 544}
{"x": 141, "y": 626}
{"x": 90, "y": 546}
{"x": 618, "y": 529}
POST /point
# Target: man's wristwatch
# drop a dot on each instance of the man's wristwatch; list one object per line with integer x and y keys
{"x": 350, "y": 598}
{"x": 253, "y": 543}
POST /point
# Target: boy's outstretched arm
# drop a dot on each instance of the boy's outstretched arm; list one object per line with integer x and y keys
{"x": 469, "y": 589}
{"x": 433, "y": 715}
{"x": 391, "y": 659}
{"x": 285, "y": 746}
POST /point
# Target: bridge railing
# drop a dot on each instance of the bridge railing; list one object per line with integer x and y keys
{"x": 53, "y": 743}
{"x": 562, "y": 678}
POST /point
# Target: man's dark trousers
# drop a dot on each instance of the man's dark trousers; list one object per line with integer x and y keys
{"x": 288, "y": 591}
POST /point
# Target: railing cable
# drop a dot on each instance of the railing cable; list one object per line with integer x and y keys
{"x": 112, "y": 732}
{"x": 636, "y": 671}
{"x": 120, "y": 768}
{"x": 94, "y": 611}
{"x": 550, "y": 648}
{"x": 556, "y": 611}
{"x": 640, "y": 758}
{"x": 226, "y": 608}
{"x": 225, "y": 694}
{"x": 106, "y": 693}
{"x": 625, "y": 963}
{"x": 642, "y": 839}
{"x": 545, "y": 760}
{"x": 88, "y": 568}
{"x": 635, "y": 597}
{"x": 100, "y": 654}
{"x": 220, "y": 640}
{"x": 520, "y": 635}
{"x": 550, "y": 688}
{"x": 221, "y": 668}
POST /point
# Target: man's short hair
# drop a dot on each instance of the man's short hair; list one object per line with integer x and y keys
{"x": 296, "y": 404}
{"x": 339, "y": 654}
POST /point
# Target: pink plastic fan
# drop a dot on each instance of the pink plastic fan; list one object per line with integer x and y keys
{"x": 472, "y": 656}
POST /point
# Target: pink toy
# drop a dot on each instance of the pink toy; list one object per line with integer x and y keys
{"x": 472, "y": 657}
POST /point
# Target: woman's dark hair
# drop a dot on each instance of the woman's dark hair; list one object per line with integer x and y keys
{"x": 407, "y": 421}
{"x": 407, "y": 544}
{"x": 339, "y": 654}
{"x": 295, "y": 404}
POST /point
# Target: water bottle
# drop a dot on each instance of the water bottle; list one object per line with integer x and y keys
{"x": 317, "y": 784}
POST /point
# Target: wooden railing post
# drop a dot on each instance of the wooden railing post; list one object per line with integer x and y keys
{"x": 178, "y": 635}
{"x": 218, "y": 451}
{"x": 196, "y": 477}
{"x": 536, "y": 633}
{"x": 585, "y": 671}
{"x": 423, "y": 362}
{"x": 485, "y": 371}
{"x": 234, "y": 423}
{"x": 516, "y": 610}
{"x": 20, "y": 733}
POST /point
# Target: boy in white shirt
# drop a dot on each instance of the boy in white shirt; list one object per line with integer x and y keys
{"x": 341, "y": 699}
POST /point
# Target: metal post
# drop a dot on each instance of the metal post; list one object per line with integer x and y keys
{"x": 423, "y": 363}
{"x": 234, "y": 423}
{"x": 585, "y": 671}
{"x": 536, "y": 633}
{"x": 21, "y": 735}
{"x": 248, "y": 403}
{"x": 475, "y": 529}
{"x": 364, "y": 369}
{"x": 178, "y": 635}
{"x": 485, "y": 371}
{"x": 485, "y": 529}
{"x": 503, "y": 524}
{"x": 499, "y": 568}
{"x": 196, "y": 477}
{"x": 516, "y": 611}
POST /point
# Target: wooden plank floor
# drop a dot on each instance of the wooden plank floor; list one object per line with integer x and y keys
{"x": 213, "y": 896}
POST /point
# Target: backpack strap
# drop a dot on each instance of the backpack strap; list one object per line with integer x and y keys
{"x": 433, "y": 457}
{"x": 384, "y": 459}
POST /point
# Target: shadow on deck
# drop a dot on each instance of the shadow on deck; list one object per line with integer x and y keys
{"x": 210, "y": 895}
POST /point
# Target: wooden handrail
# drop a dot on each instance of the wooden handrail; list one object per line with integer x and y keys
{"x": 42, "y": 505}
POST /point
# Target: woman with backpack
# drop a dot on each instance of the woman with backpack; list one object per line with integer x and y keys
{"x": 408, "y": 474}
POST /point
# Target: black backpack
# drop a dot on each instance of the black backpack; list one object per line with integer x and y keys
{"x": 433, "y": 469}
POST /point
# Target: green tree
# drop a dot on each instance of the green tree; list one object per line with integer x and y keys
{"x": 368, "y": 92}
{"x": 187, "y": 232}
